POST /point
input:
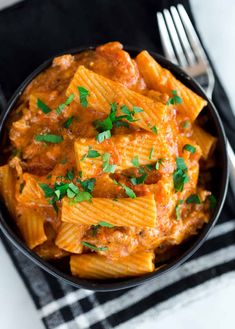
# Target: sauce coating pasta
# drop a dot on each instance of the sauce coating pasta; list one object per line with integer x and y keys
{"x": 105, "y": 163}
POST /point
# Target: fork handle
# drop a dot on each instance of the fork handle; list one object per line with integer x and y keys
{"x": 231, "y": 162}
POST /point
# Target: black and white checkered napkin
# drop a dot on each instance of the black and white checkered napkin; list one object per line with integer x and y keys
{"x": 31, "y": 31}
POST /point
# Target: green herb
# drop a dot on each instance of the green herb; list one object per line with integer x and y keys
{"x": 91, "y": 246}
{"x": 62, "y": 106}
{"x": 69, "y": 175}
{"x": 154, "y": 130}
{"x": 193, "y": 198}
{"x": 186, "y": 124}
{"x": 80, "y": 174}
{"x": 189, "y": 148}
{"x": 212, "y": 201}
{"x": 135, "y": 161}
{"x": 22, "y": 185}
{"x": 158, "y": 163}
{"x": 107, "y": 167}
{"x": 63, "y": 161}
{"x": 83, "y": 157}
{"x": 137, "y": 109}
{"x": 68, "y": 123}
{"x": 128, "y": 190}
{"x": 177, "y": 209}
{"x": 130, "y": 114}
{"x": 103, "y": 125}
{"x": 45, "y": 109}
{"x": 119, "y": 124}
{"x": 150, "y": 167}
{"x": 99, "y": 225}
{"x": 105, "y": 224}
{"x": 83, "y": 93}
{"x": 175, "y": 99}
{"x": 151, "y": 153}
{"x": 104, "y": 135}
{"x": 88, "y": 184}
{"x": 139, "y": 180}
{"x": 16, "y": 153}
{"x": 180, "y": 176}
{"x": 49, "y": 176}
{"x": 82, "y": 196}
{"x": 92, "y": 153}
{"x": 48, "y": 191}
{"x": 49, "y": 138}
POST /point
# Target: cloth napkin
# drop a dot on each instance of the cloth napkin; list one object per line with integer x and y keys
{"x": 30, "y": 32}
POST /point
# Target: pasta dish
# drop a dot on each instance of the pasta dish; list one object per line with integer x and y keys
{"x": 107, "y": 163}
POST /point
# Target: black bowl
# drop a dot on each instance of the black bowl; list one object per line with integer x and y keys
{"x": 219, "y": 190}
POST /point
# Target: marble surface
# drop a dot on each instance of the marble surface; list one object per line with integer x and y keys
{"x": 215, "y": 20}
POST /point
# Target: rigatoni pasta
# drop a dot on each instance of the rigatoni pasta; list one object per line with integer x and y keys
{"x": 105, "y": 164}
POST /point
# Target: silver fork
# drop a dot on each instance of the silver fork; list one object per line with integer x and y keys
{"x": 182, "y": 46}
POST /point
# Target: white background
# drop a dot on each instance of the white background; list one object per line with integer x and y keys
{"x": 216, "y": 23}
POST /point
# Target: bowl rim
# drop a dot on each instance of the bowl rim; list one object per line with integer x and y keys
{"x": 129, "y": 282}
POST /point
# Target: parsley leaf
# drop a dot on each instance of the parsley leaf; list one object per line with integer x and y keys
{"x": 83, "y": 93}
{"x": 68, "y": 122}
{"x": 158, "y": 163}
{"x": 43, "y": 107}
{"x": 88, "y": 184}
{"x": 139, "y": 180}
{"x": 189, "y": 148}
{"x": 186, "y": 124}
{"x": 154, "y": 130}
{"x": 128, "y": 190}
{"x": 99, "y": 225}
{"x": 102, "y": 125}
{"x": 104, "y": 135}
{"x": 48, "y": 191}
{"x": 151, "y": 153}
{"x": 69, "y": 175}
{"x": 135, "y": 161}
{"x": 49, "y": 138}
{"x": 93, "y": 247}
{"x": 82, "y": 196}
{"x": 175, "y": 99}
{"x": 177, "y": 209}
{"x": 62, "y": 106}
{"x": 212, "y": 201}
{"x": 180, "y": 176}
{"x": 92, "y": 153}
{"x": 193, "y": 198}
{"x": 107, "y": 167}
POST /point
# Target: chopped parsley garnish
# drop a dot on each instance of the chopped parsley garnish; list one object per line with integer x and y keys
{"x": 103, "y": 125}
{"x": 139, "y": 180}
{"x": 151, "y": 153}
{"x": 128, "y": 190}
{"x": 212, "y": 201}
{"x": 93, "y": 247}
{"x": 102, "y": 136}
{"x": 193, "y": 198}
{"x": 175, "y": 99}
{"x": 92, "y": 153}
{"x": 68, "y": 122}
{"x": 158, "y": 163}
{"x": 135, "y": 161}
{"x": 107, "y": 167}
{"x": 80, "y": 174}
{"x": 189, "y": 148}
{"x": 99, "y": 225}
{"x": 154, "y": 130}
{"x": 180, "y": 176}
{"x": 49, "y": 176}
{"x": 150, "y": 167}
{"x": 129, "y": 114}
{"x": 62, "y": 106}
{"x": 83, "y": 93}
{"x": 186, "y": 124}
{"x": 177, "y": 209}
{"x": 22, "y": 185}
{"x": 43, "y": 107}
{"x": 49, "y": 138}
{"x": 88, "y": 184}
{"x": 60, "y": 190}
{"x": 70, "y": 175}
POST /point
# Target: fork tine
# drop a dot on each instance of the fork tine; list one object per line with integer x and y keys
{"x": 165, "y": 39}
{"x": 174, "y": 38}
{"x": 192, "y": 35}
{"x": 182, "y": 35}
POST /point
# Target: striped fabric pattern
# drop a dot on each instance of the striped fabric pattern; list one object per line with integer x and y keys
{"x": 64, "y": 307}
